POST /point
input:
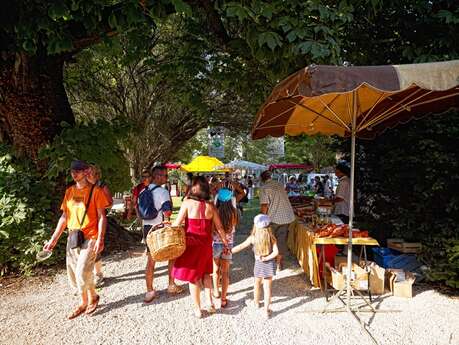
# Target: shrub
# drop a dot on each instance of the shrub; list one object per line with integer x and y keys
{"x": 407, "y": 183}
{"x": 26, "y": 215}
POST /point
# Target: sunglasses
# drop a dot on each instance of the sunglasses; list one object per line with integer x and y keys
{"x": 145, "y": 176}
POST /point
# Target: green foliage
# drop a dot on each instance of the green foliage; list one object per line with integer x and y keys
{"x": 391, "y": 32}
{"x": 282, "y": 34}
{"x": 96, "y": 142}
{"x": 313, "y": 149}
{"x": 55, "y": 27}
{"x": 26, "y": 216}
{"x": 408, "y": 182}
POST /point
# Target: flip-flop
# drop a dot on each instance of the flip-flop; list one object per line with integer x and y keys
{"x": 93, "y": 306}
{"x": 77, "y": 312}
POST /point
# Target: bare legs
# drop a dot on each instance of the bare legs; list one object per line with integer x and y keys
{"x": 208, "y": 291}
{"x": 216, "y": 277}
{"x": 149, "y": 269}
{"x": 195, "y": 292}
{"x": 224, "y": 269}
{"x": 221, "y": 271}
{"x": 256, "y": 291}
{"x": 267, "y": 292}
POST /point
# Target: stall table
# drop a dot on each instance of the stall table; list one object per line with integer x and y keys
{"x": 302, "y": 243}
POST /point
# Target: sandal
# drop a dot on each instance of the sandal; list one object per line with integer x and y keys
{"x": 268, "y": 314}
{"x": 93, "y": 306}
{"x": 197, "y": 314}
{"x": 224, "y": 303}
{"x": 77, "y": 312}
{"x": 211, "y": 309}
{"x": 149, "y": 296}
{"x": 175, "y": 289}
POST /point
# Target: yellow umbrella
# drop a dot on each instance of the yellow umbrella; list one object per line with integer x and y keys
{"x": 204, "y": 164}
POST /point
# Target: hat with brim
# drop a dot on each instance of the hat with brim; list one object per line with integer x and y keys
{"x": 79, "y": 165}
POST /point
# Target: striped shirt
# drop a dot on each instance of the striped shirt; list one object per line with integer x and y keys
{"x": 274, "y": 195}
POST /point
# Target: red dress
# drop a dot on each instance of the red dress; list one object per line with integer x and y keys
{"x": 197, "y": 258}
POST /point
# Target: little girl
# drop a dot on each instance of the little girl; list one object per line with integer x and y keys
{"x": 222, "y": 258}
{"x": 265, "y": 248}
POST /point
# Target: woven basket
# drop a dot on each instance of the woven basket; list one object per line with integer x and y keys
{"x": 166, "y": 243}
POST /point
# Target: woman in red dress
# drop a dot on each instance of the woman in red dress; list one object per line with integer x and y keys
{"x": 195, "y": 265}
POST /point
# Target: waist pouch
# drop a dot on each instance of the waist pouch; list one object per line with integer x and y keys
{"x": 75, "y": 239}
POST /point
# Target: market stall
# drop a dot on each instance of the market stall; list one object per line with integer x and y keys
{"x": 304, "y": 240}
{"x": 359, "y": 102}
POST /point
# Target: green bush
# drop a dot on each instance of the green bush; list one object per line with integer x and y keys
{"x": 407, "y": 182}
{"x": 26, "y": 218}
{"x": 30, "y": 199}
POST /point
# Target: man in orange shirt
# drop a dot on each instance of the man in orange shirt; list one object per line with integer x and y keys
{"x": 92, "y": 222}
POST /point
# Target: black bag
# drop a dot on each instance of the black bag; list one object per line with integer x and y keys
{"x": 76, "y": 237}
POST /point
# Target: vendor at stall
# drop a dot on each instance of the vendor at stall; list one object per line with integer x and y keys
{"x": 343, "y": 192}
{"x": 292, "y": 187}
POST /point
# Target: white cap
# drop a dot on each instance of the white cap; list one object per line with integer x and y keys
{"x": 262, "y": 221}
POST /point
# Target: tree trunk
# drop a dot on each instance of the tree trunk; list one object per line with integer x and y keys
{"x": 33, "y": 101}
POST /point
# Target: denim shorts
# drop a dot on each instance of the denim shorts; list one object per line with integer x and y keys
{"x": 218, "y": 251}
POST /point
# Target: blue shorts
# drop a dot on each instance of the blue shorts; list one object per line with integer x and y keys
{"x": 217, "y": 249}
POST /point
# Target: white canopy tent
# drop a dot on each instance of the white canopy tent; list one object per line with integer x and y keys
{"x": 245, "y": 165}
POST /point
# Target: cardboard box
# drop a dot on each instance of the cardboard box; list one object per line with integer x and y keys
{"x": 359, "y": 276}
{"x": 337, "y": 279}
{"x": 377, "y": 277}
{"x": 399, "y": 287}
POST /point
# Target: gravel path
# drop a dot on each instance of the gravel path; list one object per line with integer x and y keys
{"x": 36, "y": 313}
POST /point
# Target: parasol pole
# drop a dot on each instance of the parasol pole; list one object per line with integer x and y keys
{"x": 351, "y": 202}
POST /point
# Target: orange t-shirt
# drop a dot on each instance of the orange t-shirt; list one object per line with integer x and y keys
{"x": 74, "y": 204}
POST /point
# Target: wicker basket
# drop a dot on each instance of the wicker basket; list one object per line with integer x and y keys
{"x": 166, "y": 243}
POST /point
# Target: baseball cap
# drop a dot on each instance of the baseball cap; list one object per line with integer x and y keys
{"x": 78, "y": 165}
{"x": 262, "y": 221}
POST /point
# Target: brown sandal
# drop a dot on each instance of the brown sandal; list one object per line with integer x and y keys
{"x": 93, "y": 306}
{"x": 77, "y": 312}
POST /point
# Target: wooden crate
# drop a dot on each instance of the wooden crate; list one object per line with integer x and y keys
{"x": 404, "y": 247}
